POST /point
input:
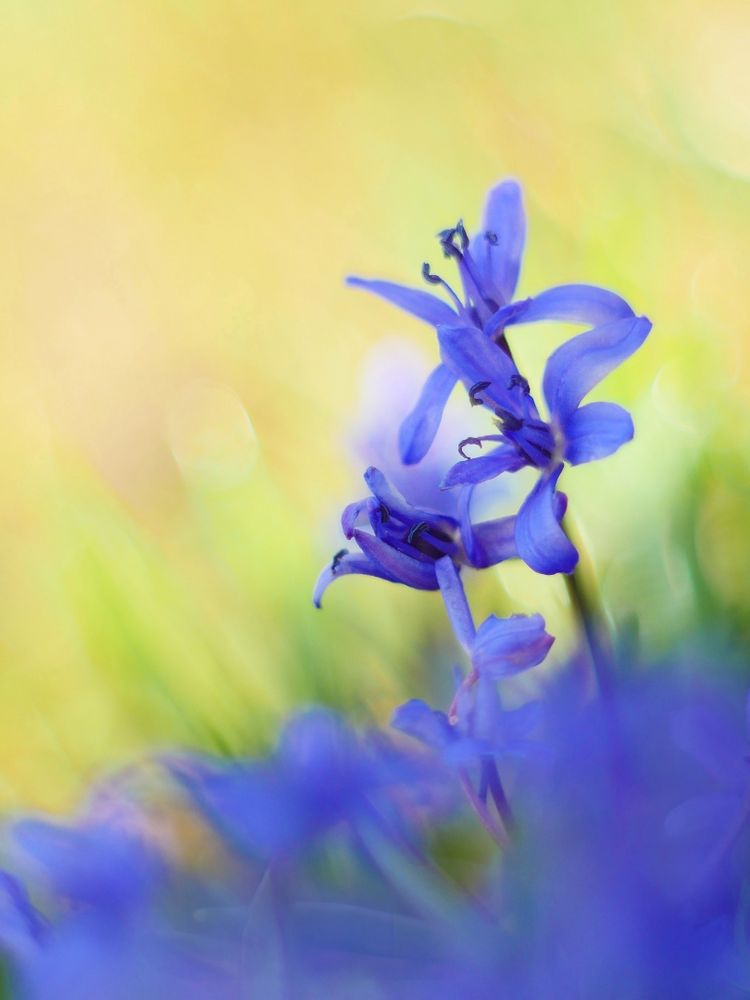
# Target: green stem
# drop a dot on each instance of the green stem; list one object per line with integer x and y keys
{"x": 590, "y": 622}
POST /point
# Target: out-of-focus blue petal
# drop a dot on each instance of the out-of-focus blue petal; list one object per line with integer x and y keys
{"x": 417, "y": 719}
{"x": 574, "y": 369}
{"x": 709, "y": 733}
{"x": 541, "y": 541}
{"x": 352, "y": 562}
{"x": 595, "y": 431}
{"x": 21, "y": 926}
{"x": 474, "y": 358}
{"x": 572, "y": 304}
{"x": 455, "y": 601}
{"x": 704, "y": 819}
{"x": 505, "y": 646}
{"x": 421, "y": 304}
{"x": 400, "y": 567}
{"x": 103, "y": 866}
{"x": 418, "y": 430}
{"x": 493, "y": 542}
{"x": 472, "y": 471}
{"x": 500, "y": 257}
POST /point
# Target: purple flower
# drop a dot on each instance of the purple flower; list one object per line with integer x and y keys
{"x": 488, "y": 266}
{"x": 404, "y": 542}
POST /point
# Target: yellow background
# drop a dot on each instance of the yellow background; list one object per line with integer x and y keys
{"x": 183, "y": 186}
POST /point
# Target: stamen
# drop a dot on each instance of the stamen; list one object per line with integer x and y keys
{"x": 477, "y": 387}
{"x": 423, "y": 545}
{"x": 508, "y": 421}
{"x": 337, "y": 559}
{"x": 416, "y": 530}
{"x": 477, "y": 442}
{"x": 435, "y": 279}
{"x": 385, "y": 514}
{"x": 519, "y": 380}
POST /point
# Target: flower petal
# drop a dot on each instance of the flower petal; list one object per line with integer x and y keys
{"x": 575, "y": 368}
{"x": 455, "y": 601}
{"x": 541, "y": 541}
{"x": 471, "y": 471}
{"x": 417, "y": 719}
{"x": 474, "y": 358}
{"x": 353, "y": 512}
{"x": 500, "y": 257}
{"x": 595, "y": 431}
{"x": 418, "y": 430}
{"x": 400, "y": 566}
{"x": 493, "y": 542}
{"x": 350, "y": 563}
{"x": 421, "y": 304}
{"x": 572, "y": 304}
{"x": 505, "y": 646}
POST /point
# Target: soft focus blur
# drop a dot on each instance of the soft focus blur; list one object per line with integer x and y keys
{"x": 183, "y": 187}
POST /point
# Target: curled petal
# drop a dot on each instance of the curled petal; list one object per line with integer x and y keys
{"x": 503, "y": 234}
{"x": 455, "y": 601}
{"x": 350, "y": 563}
{"x": 353, "y": 512}
{"x": 505, "y": 646}
{"x": 418, "y": 430}
{"x": 472, "y": 471}
{"x": 595, "y": 431}
{"x": 399, "y": 566}
{"x": 421, "y": 304}
{"x": 572, "y": 304}
{"x": 541, "y": 541}
{"x": 575, "y": 368}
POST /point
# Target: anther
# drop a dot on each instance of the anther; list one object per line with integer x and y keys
{"x": 415, "y": 531}
{"x": 385, "y": 514}
{"x": 337, "y": 559}
{"x": 520, "y": 381}
{"x": 467, "y": 441}
{"x": 477, "y": 387}
{"x": 427, "y": 274}
{"x": 508, "y": 421}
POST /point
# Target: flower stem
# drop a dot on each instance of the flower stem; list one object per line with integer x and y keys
{"x": 589, "y": 619}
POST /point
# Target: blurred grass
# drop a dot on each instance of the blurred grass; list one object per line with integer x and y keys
{"x": 182, "y": 188}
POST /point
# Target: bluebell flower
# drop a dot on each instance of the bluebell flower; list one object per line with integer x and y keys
{"x": 488, "y": 266}
{"x": 575, "y": 433}
{"x": 404, "y": 542}
{"x": 476, "y": 722}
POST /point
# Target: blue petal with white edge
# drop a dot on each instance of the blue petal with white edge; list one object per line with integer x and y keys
{"x": 574, "y": 369}
{"x": 455, "y": 601}
{"x": 419, "y": 428}
{"x": 506, "y": 646}
{"x": 541, "y": 541}
{"x": 421, "y": 304}
{"x": 595, "y": 431}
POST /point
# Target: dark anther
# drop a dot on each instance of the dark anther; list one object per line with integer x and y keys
{"x": 509, "y": 421}
{"x": 477, "y": 387}
{"x": 415, "y": 531}
{"x": 460, "y": 231}
{"x": 467, "y": 441}
{"x": 385, "y": 514}
{"x": 520, "y": 381}
{"x": 427, "y": 274}
{"x": 491, "y": 238}
{"x": 337, "y": 559}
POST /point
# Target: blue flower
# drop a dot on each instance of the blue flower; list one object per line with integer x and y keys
{"x": 476, "y": 724}
{"x": 488, "y": 266}
{"x": 574, "y": 433}
{"x": 404, "y": 542}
